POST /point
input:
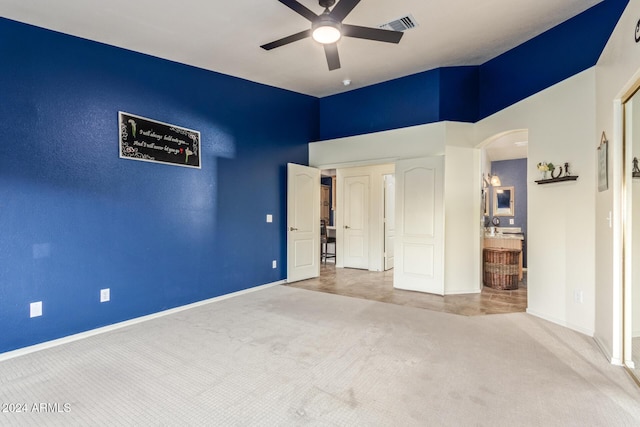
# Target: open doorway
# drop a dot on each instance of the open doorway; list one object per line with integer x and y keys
{"x": 358, "y": 204}
{"x": 327, "y": 217}
{"x": 505, "y": 206}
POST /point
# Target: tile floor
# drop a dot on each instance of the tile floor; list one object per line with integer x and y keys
{"x": 378, "y": 286}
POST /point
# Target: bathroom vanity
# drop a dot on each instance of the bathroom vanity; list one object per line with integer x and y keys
{"x": 506, "y": 238}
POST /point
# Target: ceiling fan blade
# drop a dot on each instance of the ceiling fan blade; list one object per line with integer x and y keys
{"x": 333, "y": 60}
{"x": 300, "y": 9}
{"x": 286, "y": 40}
{"x": 369, "y": 33}
{"x": 343, "y": 8}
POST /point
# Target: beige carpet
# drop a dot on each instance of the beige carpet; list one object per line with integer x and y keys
{"x": 285, "y": 356}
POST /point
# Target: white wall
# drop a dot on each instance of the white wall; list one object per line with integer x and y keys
{"x": 462, "y": 201}
{"x": 380, "y": 147}
{"x": 615, "y": 73}
{"x": 561, "y": 238}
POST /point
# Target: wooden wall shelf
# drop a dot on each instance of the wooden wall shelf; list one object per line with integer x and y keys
{"x": 562, "y": 178}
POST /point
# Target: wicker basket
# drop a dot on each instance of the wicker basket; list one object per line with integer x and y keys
{"x": 501, "y": 268}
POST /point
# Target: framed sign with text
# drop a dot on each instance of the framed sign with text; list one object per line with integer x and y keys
{"x": 152, "y": 141}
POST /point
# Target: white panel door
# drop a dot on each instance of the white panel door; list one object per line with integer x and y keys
{"x": 389, "y": 220}
{"x": 419, "y": 256}
{"x": 356, "y": 222}
{"x": 303, "y": 222}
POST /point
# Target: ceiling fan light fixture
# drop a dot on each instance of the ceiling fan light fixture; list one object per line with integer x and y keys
{"x": 326, "y": 30}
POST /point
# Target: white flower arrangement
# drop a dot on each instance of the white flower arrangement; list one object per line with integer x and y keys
{"x": 545, "y": 167}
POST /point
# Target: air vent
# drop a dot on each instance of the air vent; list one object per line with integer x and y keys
{"x": 401, "y": 24}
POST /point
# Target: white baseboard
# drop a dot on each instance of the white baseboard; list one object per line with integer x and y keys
{"x": 560, "y": 322}
{"x": 606, "y": 352}
{"x": 463, "y": 292}
{"x": 82, "y": 335}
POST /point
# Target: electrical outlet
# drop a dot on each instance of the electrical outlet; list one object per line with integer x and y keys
{"x": 269, "y": 218}
{"x": 577, "y": 296}
{"x": 510, "y": 221}
{"x": 274, "y": 264}
{"x": 35, "y": 309}
{"x": 105, "y": 295}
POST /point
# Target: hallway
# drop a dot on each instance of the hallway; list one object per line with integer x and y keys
{"x": 378, "y": 286}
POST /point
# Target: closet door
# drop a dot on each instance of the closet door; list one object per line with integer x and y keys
{"x": 419, "y": 255}
{"x": 356, "y": 222}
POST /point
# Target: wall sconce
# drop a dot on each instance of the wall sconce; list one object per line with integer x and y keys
{"x": 493, "y": 180}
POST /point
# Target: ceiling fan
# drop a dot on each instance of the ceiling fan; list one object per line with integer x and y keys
{"x": 327, "y": 28}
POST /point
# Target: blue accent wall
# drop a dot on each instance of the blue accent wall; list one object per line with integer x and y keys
{"x": 513, "y": 173}
{"x": 555, "y": 55}
{"x": 408, "y": 101}
{"x": 459, "y": 93}
{"x": 76, "y": 218}
{"x": 469, "y": 94}
{"x": 442, "y": 94}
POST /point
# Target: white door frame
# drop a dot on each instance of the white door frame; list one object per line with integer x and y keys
{"x": 388, "y": 226}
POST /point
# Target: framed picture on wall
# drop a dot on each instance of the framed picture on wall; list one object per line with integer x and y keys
{"x": 603, "y": 173}
{"x": 153, "y": 141}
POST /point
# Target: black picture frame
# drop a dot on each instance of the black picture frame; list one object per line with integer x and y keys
{"x": 150, "y": 140}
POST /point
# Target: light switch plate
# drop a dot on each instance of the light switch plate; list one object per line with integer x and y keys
{"x": 274, "y": 264}
{"x": 105, "y": 295}
{"x": 269, "y": 218}
{"x": 35, "y": 309}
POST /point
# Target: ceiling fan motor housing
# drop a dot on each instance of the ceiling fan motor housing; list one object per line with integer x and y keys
{"x": 327, "y": 3}
{"x": 326, "y": 20}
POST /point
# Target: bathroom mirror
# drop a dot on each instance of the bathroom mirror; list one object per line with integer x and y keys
{"x": 503, "y": 201}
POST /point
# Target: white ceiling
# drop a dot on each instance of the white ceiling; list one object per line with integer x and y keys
{"x": 225, "y": 36}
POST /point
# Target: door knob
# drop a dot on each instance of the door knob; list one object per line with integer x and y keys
{"x": 346, "y": 226}
{"x": 293, "y": 229}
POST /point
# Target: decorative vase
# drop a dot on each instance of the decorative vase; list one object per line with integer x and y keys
{"x": 545, "y": 174}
